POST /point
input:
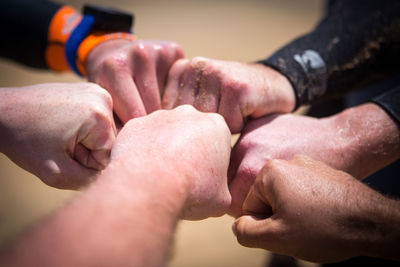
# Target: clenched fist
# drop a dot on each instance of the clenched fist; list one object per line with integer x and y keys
{"x": 133, "y": 72}
{"x": 189, "y": 148}
{"x": 63, "y": 133}
{"x": 308, "y": 210}
{"x": 237, "y": 91}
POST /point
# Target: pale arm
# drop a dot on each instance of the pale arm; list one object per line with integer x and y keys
{"x": 128, "y": 215}
{"x": 121, "y": 220}
{"x": 60, "y": 132}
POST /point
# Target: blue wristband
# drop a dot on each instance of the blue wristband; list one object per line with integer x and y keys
{"x": 75, "y": 39}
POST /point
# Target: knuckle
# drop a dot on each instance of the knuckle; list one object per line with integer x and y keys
{"x": 111, "y": 64}
{"x": 198, "y": 63}
{"x": 247, "y": 173}
{"x": 270, "y": 165}
{"x": 177, "y": 48}
{"x": 236, "y": 87}
{"x": 141, "y": 51}
{"x": 186, "y": 109}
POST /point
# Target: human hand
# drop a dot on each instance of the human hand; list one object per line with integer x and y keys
{"x": 186, "y": 148}
{"x": 278, "y": 137}
{"x": 359, "y": 141}
{"x": 134, "y": 73}
{"x": 63, "y": 133}
{"x": 308, "y": 210}
{"x": 235, "y": 90}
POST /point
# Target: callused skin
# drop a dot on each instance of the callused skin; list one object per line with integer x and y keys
{"x": 308, "y": 210}
{"x": 359, "y": 140}
{"x": 237, "y": 91}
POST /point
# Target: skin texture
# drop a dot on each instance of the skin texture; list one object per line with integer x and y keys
{"x": 62, "y": 133}
{"x": 359, "y": 141}
{"x": 237, "y": 91}
{"x": 202, "y": 142}
{"x": 128, "y": 215}
{"x": 308, "y": 210}
{"x": 134, "y": 73}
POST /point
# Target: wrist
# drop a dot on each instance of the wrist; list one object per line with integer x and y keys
{"x": 281, "y": 96}
{"x": 370, "y": 226}
{"x": 71, "y": 36}
{"x": 156, "y": 184}
{"x": 367, "y": 139}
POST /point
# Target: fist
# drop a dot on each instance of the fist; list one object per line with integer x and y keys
{"x": 308, "y": 210}
{"x": 235, "y": 90}
{"x": 134, "y": 73}
{"x": 63, "y": 133}
{"x": 192, "y": 146}
{"x": 281, "y": 137}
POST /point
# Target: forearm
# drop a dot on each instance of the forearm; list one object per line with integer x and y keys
{"x": 126, "y": 218}
{"x": 371, "y": 225}
{"x": 8, "y": 98}
{"x": 368, "y": 139}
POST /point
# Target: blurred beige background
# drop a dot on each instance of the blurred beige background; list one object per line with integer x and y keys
{"x": 223, "y": 29}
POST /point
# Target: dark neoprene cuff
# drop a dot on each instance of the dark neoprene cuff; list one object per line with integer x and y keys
{"x": 390, "y": 102}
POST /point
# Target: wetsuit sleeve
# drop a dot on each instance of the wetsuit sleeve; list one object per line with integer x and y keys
{"x": 25, "y": 25}
{"x": 356, "y": 43}
{"x": 390, "y": 102}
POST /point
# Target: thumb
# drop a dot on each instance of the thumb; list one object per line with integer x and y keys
{"x": 93, "y": 150}
{"x": 253, "y": 232}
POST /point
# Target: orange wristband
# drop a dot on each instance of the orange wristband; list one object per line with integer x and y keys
{"x": 61, "y": 25}
{"x": 94, "y": 39}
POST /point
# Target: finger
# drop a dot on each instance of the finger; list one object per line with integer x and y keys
{"x": 255, "y": 203}
{"x": 241, "y": 184}
{"x": 230, "y": 111}
{"x": 171, "y": 93}
{"x": 239, "y": 188}
{"x": 127, "y": 101}
{"x": 95, "y": 142}
{"x": 145, "y": 77}
{"x": 257, "y": 233}
{"x": 208, "y": 97}
{"x": 169, "y": 53}
{"x": 64, "y": 172}
{"x": 237, "y": 154}
{"x": 188, "y": 87}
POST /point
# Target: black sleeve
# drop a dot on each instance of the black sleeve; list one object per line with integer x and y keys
{"x": 24, "y": 29}
{"x": 356, "y": 43}
{"x": 390, "y": 102}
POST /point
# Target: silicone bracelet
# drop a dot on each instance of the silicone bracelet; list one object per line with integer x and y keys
{"x": 75, "y": 39}
{"x": 94, "y": 39}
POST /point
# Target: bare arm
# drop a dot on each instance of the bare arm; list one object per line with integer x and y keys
{"x": 237, "y": 91}
{"x": 308, "y": 210}
{"x": 359, "y": 140}
{"x": 119, "y": 221}
{"x": 61, "y": 132}
{"x": 128, "y": 216}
